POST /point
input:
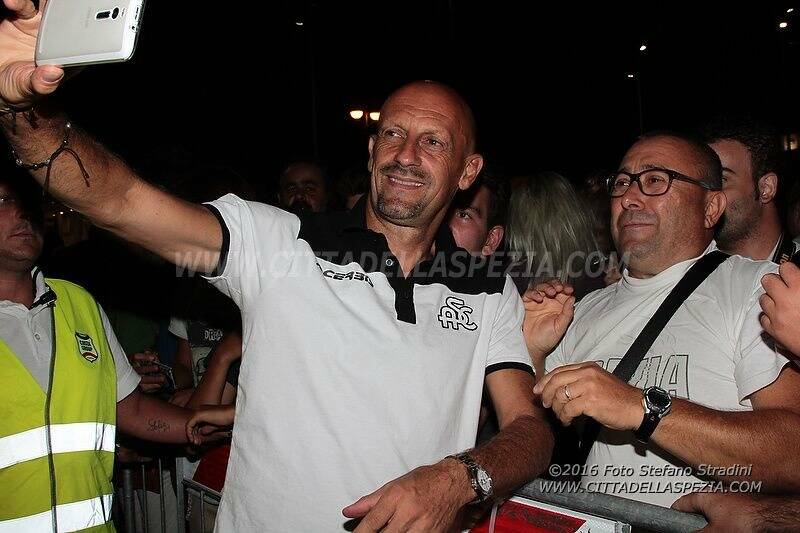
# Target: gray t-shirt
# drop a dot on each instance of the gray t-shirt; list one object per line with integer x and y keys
{"x": 28, "y": 333}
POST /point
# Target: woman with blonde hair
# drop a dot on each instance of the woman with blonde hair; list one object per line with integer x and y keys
{"x": 550, "y": 235}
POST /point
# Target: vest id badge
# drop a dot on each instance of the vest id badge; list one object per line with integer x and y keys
{"x": 86, "y": 347}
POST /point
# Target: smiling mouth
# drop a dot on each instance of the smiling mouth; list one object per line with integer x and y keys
{"x": 404, "y": 182}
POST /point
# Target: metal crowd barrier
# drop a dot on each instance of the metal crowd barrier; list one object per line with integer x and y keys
{"x": 202, "y": 494}
{"x": 634, "y": 513}
{"x": 125, "y": 514}
{"x": 625, "y": 512}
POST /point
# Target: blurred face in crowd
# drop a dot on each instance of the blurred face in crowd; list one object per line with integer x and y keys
{"x": 421, "y": 155}
{"x": 656, "y": 232}
{"x": 20, "y": 239}
{"x": 469, "y": 222}
{"x": 744, "y": 198}
{"x": 302, "y": 188}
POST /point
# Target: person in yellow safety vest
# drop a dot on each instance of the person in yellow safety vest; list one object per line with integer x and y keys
{"x": 65, "y": 385}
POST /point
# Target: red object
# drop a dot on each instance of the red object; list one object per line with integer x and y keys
{"x": 211, "y": 470}
{"x": 515, "y": 517}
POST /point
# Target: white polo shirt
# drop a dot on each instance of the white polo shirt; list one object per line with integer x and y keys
{"x": 352, "y": 375}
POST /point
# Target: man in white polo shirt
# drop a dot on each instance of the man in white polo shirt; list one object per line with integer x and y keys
{"x": 367, "y": 338}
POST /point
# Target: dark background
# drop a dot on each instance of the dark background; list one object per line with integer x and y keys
{"x": 244, "y": 85}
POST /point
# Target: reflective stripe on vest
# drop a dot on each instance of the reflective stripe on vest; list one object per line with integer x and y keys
{"x": 63, "y": 470}
{"x": 65, "y": 438}
{"x": 71, "y": 517}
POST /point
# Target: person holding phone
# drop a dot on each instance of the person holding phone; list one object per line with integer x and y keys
{"x": 340, "y": 409}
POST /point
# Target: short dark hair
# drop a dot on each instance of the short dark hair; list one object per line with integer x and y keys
{"x": 760, "y": 139}
{"x": 319, "y": 168}
{"x": 25, "y": 188}
{"x": 710, "y": 167}
{"x": 498, "y": 198}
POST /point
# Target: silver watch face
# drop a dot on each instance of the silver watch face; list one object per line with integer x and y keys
{"x": 484, "y": 481}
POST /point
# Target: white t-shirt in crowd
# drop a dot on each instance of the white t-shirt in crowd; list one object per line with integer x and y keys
{"x": 712, "y": 352}
{"x": 352, "y": 375}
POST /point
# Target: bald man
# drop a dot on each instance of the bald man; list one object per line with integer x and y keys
{"x": 367, "y": 344}
{"x": 712, "y": 391}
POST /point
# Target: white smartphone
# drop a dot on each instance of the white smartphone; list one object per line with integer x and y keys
{"x": 86, "y": 32}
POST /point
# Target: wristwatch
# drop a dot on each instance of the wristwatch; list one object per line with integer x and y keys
{"x": 657, "y": 403}
{"x": 479, "y": 478}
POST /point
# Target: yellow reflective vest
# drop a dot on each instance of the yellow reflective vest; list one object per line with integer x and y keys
{"x": 57, "y": 447}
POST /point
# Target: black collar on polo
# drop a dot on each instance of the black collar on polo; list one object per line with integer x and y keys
{"x": 342, "y": 238}
{"x": 356, "y": 219}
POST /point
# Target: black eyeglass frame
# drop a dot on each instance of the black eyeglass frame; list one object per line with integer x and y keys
{"x": 672, "y": 174}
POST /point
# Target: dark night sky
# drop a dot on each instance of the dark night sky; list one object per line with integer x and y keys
{"x": 547, "y": 81}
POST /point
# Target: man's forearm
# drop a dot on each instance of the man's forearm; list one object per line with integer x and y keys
{"x": 113, "y": 196}
{"x": 779, "y": 513}
{"x": 701, "y": 436}
{"x": 109, "y": 178}
{"x": 148, "y": 418}
{"x": 538, "y": 359}
{"x": 209, "y": 390}
{"x": 519, "y": 453}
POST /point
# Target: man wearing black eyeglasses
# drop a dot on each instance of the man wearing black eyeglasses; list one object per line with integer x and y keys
{"x": 711, "y": 391}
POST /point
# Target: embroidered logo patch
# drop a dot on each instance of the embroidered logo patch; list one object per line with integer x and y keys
{"x": 454, "y": 314}
{"x": 86, "y": 347}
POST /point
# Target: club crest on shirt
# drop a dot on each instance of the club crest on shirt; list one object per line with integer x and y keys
{"x": 455, "y": 314}
{"x": 86, "y": 347}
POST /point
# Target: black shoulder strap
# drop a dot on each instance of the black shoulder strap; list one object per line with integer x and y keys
{"x": 784, "y": 251}
{"x": 633, "y": 357}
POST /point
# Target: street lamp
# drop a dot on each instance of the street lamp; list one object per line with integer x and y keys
{"x": 358, "y": 114}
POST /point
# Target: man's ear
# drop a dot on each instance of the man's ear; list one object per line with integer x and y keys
{"x": 472, "y": 167}
{"x": 493, "y": 240}
{"x": 767, "y": 187}
{"x": 370, "y": 147}
{"x": 716, "y": 201}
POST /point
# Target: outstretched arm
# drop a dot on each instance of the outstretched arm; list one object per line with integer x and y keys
{"x": 114, "y": 197}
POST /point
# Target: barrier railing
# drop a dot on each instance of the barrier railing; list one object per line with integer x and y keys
{"x": 204, "y": 496}
{"x": 637, "y": 514}
{"x": 134, "y": 505}
{"x": 193, "y": 499}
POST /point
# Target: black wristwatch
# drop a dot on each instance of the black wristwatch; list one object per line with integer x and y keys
{"x": 657, "y": 403}
{"x": 479, "y": 478}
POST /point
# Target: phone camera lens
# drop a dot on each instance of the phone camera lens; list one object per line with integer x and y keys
{"x": 115, "y": 13}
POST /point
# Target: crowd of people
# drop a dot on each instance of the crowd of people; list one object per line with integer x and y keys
{"x": 404, "y": 344}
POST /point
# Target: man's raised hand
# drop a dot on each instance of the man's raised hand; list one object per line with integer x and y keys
{"x": 21, "y": 81}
